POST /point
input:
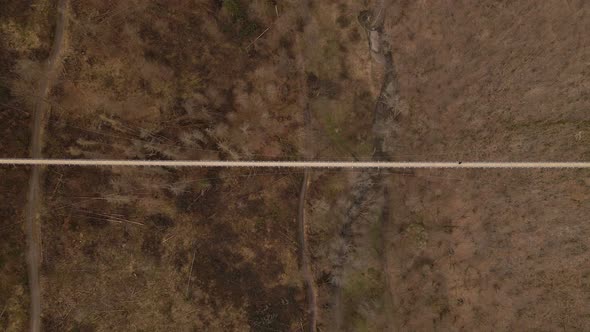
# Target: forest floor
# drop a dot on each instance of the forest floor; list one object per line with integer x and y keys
{"x": 221, "y": 249}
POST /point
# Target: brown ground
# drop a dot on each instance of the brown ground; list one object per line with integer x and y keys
{"x": 181, "y": 249}
{"x": 13, "y": 269}
{"x": 501, "y": 250}
{"x": 198, "y": 249}
{"x": 171, "y": 249}
{"x": 492, "y": 81}
{"x": 492, "y": 250}
{"x": 25, "y": 41}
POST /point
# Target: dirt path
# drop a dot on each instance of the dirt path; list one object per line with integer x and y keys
{"x": 304, "y": 255}
{"x": 303, "y": 101}
{"x": 33, "y": 198}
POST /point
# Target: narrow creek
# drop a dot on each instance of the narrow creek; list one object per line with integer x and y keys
{"x": 370, "y": 185}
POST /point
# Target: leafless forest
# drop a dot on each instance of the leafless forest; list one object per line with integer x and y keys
{"x": 204, "y": 249}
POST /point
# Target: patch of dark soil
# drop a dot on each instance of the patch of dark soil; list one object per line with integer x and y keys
{"x": 160, "y": 221}
{"x": 222, "y": 272}
{"x": 343, "y": 21}
{"x": 286, "y": 43}
{"x": 14, "y": 124}
{"x": 319, "y": 87}
{"x": 84, "y": 327}
{"x": 152, "y": 245}
{"x": 237, "y": 23}
{"x": 324, "y": 279}
{"x": 53, "y": 252}
{"x": 5, "y": 94}
{"x": 95, "y": 221}
{"x": 354, "y": 36}
{"x": 89, "y": 250}
{"x": 50, "y": 324}
{"x": 200, "y": 203}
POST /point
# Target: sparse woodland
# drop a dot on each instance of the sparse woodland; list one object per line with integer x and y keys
{"x": 156, "y": 249}
{"x": 25, "y": 41}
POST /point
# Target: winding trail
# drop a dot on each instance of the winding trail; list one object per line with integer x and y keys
{"x": 303, "y": 102}
{"x": 304, "y": 255}
{"x": 32, "y": 227}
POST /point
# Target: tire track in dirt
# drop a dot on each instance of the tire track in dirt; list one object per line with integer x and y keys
{"x": 308, "y": 155}
{"x": 32, "y": 227}
{"x": 304, "y": 255}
